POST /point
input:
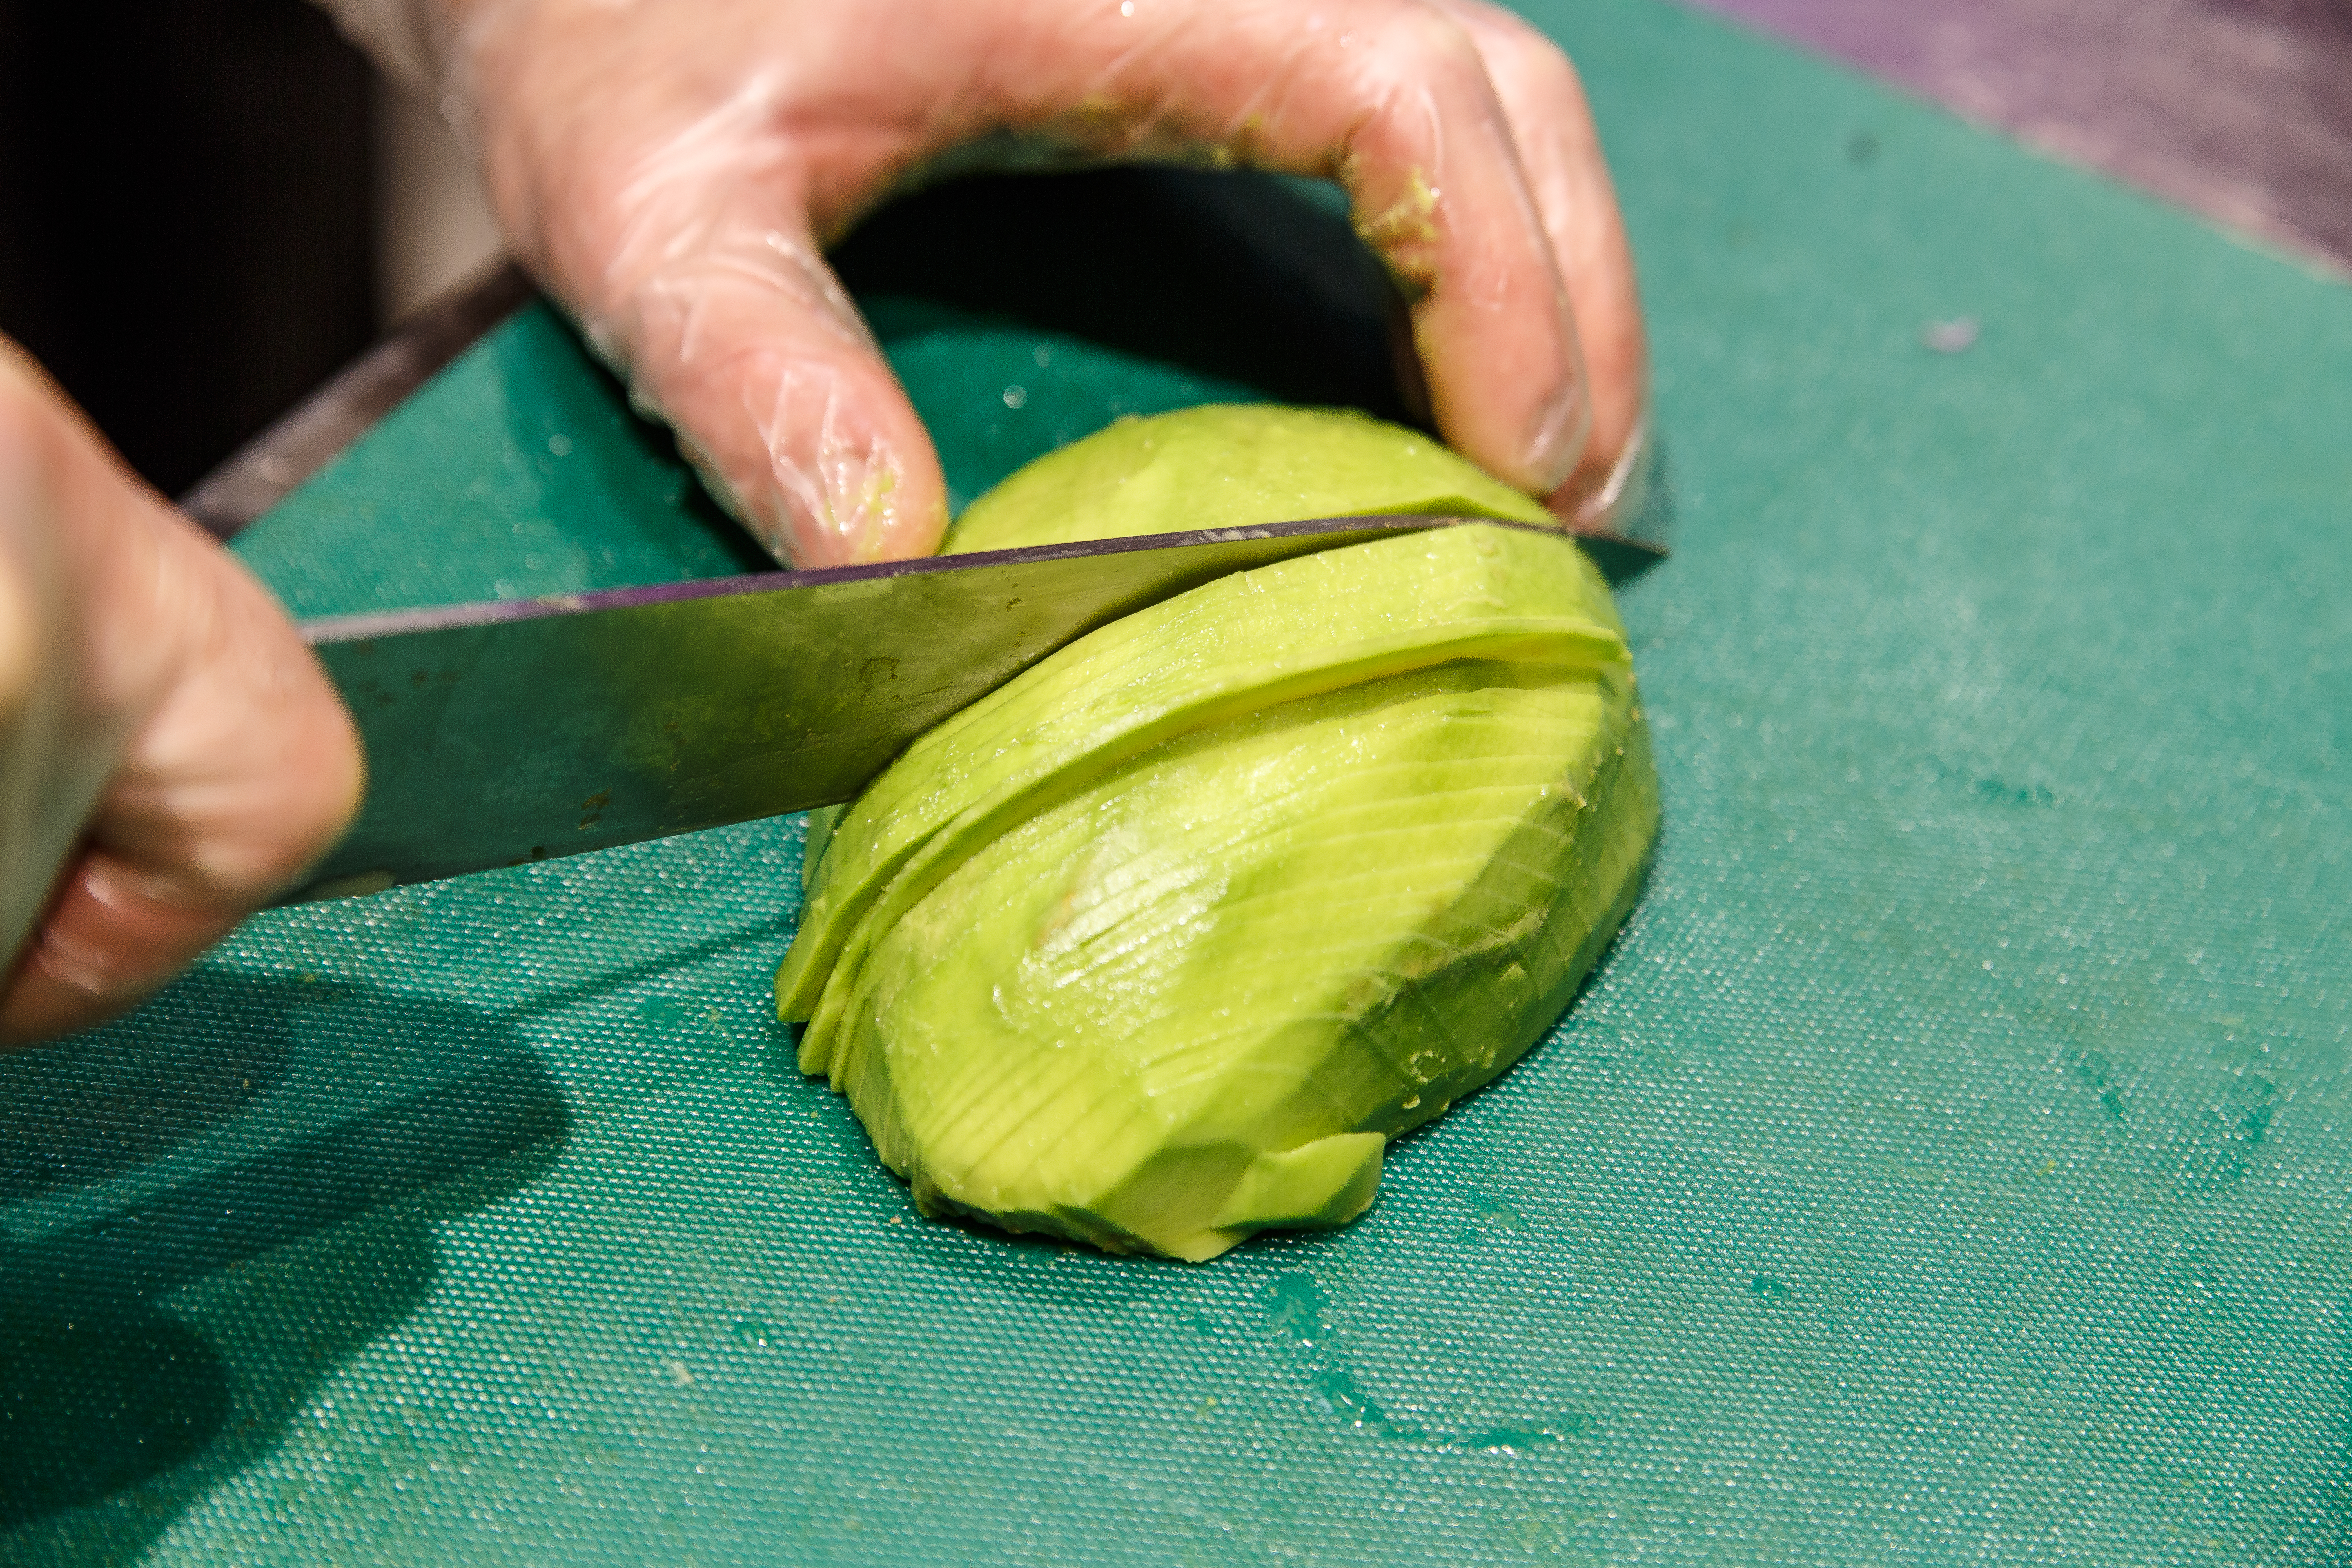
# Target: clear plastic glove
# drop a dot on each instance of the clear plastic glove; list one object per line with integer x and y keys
{"x": 672, "y": 169}
{"x": 171, "y": 754}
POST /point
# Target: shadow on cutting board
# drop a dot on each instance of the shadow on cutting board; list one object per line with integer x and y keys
{"x": 261, "y": 1212}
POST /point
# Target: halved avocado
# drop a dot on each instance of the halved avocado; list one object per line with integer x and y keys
{"x": 1158, "y": 944}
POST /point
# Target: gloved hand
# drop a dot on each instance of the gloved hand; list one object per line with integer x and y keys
{"x": 672, "y": 169}
{"x": 165, "y": 738}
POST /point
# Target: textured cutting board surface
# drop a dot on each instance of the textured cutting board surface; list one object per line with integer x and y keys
{"x": 1949, "y": 1163}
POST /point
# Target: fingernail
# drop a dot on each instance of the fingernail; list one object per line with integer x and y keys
{"x": 1557, "y": 439}
{"x": 1616, "y": 496}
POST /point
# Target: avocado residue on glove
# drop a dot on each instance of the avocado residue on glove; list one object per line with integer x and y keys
{"x": 1159, "y": 944}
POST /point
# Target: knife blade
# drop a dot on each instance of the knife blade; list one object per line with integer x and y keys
{"x": 513, "y": 731}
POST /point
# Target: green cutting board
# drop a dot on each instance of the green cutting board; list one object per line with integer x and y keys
{"x": 1948, "y": 1164}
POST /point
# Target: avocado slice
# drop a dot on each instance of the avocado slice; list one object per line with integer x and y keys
{"x": 1157, "y": 945}
{"x": 1228, "y": 465}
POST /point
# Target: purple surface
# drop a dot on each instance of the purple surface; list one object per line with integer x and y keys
{"x": 2240, "y": 109}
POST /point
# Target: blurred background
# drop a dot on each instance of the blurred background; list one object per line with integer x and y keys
{"x": 207, "y": 207}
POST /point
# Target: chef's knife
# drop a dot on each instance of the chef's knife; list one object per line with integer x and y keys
{"x": 519, "y": 729}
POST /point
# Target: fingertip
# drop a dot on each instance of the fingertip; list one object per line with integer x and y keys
{"x": 1609, "y": 487}
{"x": 707, "y": 287}
{"x": 852, "y": 476}
{"x": 1524, "y": 414}
{"x": 784, "y": 407}
{"x": 815, "y": 448}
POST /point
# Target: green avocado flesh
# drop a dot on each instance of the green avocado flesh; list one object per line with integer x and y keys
{"x": 1228, "y": 466}
{"x": 1159, "y": 944}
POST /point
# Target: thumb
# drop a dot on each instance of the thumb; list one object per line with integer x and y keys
{"x": 693, "y": 268}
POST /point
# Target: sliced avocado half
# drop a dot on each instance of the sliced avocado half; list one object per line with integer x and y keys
{"x": 1157, "y": 945}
